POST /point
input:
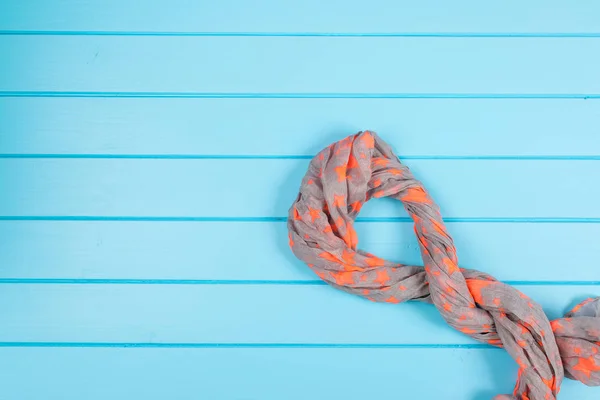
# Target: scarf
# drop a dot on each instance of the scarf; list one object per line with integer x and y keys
{"x": 346, "y": 174}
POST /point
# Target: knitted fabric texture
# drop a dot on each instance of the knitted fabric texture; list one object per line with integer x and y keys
{"x": 341, "y": 178}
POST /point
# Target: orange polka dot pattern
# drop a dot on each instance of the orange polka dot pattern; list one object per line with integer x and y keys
{"x": 341, "y": 178}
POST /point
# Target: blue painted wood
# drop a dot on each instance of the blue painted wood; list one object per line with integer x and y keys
{"x": 446, "y": 127}
{"x": 194, "y": 250}
{"x": 528, "y": 65}
{"x": 97, "y": 374}
{"x": 232, "y": 314}
{"x": 301, "y": 65}
{"x": 511, "y": 16}
{"x": 267, "y": 188}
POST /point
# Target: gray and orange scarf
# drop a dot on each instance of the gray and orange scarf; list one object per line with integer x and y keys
{"x": 342, "y": 177}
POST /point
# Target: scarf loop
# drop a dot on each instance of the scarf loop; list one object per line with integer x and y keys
{"x": 346, "y": 174}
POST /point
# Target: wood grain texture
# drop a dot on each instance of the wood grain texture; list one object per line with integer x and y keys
{"x": 232, "y": 314}
{"x": 170, "y": 277}
{"x": 267, "y": 188}
{"x": 415, "y": 127}
{"x": 194, "y": 250}
{"x": 186, "y": 374}
{"x": 302, "y": 16}
{"x": 301, "y": 64}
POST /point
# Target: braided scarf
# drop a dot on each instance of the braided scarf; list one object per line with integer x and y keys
{"x": 341, "y": 178}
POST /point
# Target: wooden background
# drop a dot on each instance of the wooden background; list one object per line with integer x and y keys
{"x": 149, "y": 153}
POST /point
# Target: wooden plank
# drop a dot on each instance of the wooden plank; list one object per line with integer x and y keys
{"x": 194, "y": 251}
{"x": 267, "y": 188}
{"x": 301, "y": 64}
{"x": 232, "y": 314}
{"x": 302, "y": 16}
{"x": 417, "y": 127}
{"x": 261, "y": 374}
{"x": 265, "y": 374}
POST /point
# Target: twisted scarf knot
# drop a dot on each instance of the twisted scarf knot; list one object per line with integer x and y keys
{"x": 342, "y": 177}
